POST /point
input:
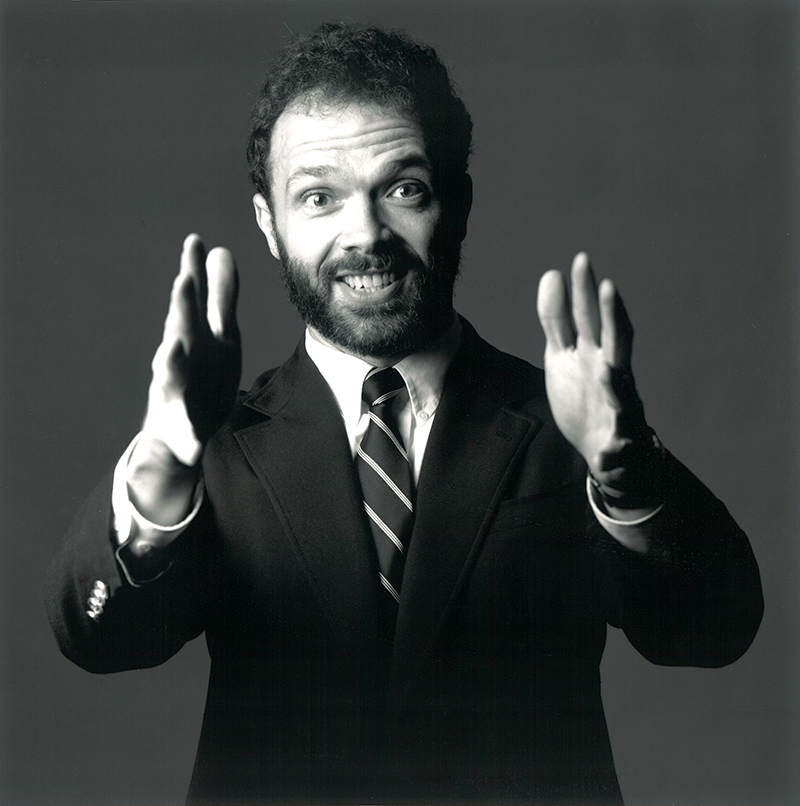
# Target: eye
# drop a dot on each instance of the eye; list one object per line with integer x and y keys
{"x": 316, "y": 199}
{"x": 410, "y": 192}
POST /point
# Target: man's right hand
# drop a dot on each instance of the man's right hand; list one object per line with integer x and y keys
{"x": 196, "y": 372}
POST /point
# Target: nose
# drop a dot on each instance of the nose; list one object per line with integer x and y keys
{"x": 362, "y": 228}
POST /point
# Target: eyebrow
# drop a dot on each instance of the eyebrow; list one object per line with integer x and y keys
{"x": 315, "y": 171}
{"x": 324, "y": 171}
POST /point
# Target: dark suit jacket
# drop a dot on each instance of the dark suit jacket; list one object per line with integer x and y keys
{"x": 489, "y": 689}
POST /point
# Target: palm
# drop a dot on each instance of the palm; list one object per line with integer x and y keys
{"x": 587, "y": 366}
{"x": 197, "y": 366}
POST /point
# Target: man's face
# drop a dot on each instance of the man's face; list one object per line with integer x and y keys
{"x": 358, "y": 227}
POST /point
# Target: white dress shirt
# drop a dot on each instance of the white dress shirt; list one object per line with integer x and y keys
{"x": 423, "y": 373}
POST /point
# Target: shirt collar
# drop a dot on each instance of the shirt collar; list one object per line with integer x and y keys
{"x": 424, "y": 373}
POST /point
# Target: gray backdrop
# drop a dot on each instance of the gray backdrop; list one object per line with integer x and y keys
{"x": 660, "y": 137}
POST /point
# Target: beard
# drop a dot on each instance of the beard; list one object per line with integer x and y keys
{"x": 400, "y": 326}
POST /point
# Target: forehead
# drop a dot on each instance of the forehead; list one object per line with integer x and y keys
{"x": 312, "y": 135}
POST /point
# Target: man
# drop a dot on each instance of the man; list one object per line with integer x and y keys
{"x": 402, "y": 567}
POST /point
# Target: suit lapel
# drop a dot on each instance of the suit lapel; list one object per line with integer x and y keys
{"x": 473, "y": 447}
{"x": 302, "y": 457}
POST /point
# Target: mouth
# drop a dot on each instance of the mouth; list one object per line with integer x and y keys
{"x": 369, "y": 283}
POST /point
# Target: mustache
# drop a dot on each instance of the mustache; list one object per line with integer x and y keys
{"x": 392, "y": 259}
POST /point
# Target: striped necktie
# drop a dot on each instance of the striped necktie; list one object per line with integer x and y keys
{"x": 385, "y": 477}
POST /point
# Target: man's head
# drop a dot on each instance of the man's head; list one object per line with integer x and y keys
{"x": 359, "y": 152}
{"x": 342, "y": 62}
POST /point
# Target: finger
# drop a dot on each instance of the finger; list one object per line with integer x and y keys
{"x": 223, "y": 291}
{"x": 585, "y": 308}
{"x": 170, "y": 367}
{"x": 553, "y": 309}
{"x": 193, "y": 264}
{"x": 185, "y": 307}
{"x": 617, "y": 331}
{"x": 183, "y": 316}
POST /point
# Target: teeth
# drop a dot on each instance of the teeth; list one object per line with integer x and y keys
{"x": 369, "y": 282}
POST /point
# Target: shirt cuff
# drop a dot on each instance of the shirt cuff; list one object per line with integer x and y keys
{"x": 606, "y": 521}
{"x": 128, "y": 522}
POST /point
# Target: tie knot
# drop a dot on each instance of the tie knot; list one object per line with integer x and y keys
{"x": 382, "y": 384}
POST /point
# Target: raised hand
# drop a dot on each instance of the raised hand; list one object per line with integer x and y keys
{"x": 588, "y": 376}
{"x": 196, "y": 371}
{"x": 197, "y": 366}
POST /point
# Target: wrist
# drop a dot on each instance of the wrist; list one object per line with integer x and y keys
{"x": 633, "y": 479}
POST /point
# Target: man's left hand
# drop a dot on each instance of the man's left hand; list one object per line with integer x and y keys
{"x": 588, "y": 373}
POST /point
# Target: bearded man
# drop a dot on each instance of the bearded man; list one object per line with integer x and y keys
{"x": 403, "y": 546}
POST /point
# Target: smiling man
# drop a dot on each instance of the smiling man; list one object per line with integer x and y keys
{"x": 403, "y": 546}
{"x": 357, "y": 226}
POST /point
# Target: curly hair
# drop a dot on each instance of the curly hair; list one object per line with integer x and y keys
{"x": 343, "y": 61}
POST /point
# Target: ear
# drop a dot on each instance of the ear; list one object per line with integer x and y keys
{"x": 266, "y": 223}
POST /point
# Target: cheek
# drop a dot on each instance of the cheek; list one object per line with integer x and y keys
{"x": 309, "y": 241}
{"x": 418, "y": 230}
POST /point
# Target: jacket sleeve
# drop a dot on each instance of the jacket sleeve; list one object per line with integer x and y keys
{"x": 104, "y": 619}
{"x": 695, "y": 598}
